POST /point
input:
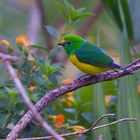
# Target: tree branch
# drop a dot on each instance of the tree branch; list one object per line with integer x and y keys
{"x": 76, "y": 84}
{"x": 30, "y": 105}
{"x": 93, "y": 127}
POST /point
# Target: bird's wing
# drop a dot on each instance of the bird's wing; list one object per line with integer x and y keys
{"x": 90, "y": 54}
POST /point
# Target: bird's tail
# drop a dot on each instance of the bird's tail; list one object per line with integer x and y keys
{"x": 120, "y": 67}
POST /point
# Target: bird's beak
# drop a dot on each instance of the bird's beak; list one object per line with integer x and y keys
{"x": 61, "y": 43}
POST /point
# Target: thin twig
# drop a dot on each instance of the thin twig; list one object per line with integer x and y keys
{"x": 86, "y": 130}
{"x": 98, "y": 120}
{"x": 22, "y": 91}
{"x": 8, "y": 57}
{"x": 76, "y": 84}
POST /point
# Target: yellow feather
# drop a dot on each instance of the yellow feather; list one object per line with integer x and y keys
{"x": 87, "y": 68}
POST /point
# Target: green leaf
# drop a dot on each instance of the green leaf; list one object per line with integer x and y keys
{"x": 19, "y": 106}
{"x": 26, "y": 67}
{"x": 52, "y": 31}
{"x": 33, "y": 97}
{"x": 4, "y": 132}
{"x": 64, "y": 12}
{"x": 4, "y": 104}
{"x": 40, "y": 65}
{"x": 128, "y": 99}
{"x": 85, "y": 107}
{"x": 39, "y": 47}
{"x": 55, "y": 51}
{"x": 84, "y": 15}
{"x": 3, "y": 95}
{"x": 81, "y": 10}
{"x": 113, "y": 8}
{"x": 119, "y": 10}
{"x": 110, "y": 87}
{"x": 53, "y": 79}
{"x": 3, "y": 117}
{"x": 12, "y": 92}
{"x": 136, "y": 55}
{"x": 71, "y": 110}
{"x": 68, "y": 5}
{"x": 127, "y": 20}
{"x": 73, "y": 15}
{"x": 99, "y": 110}
{"x": 72, "y": 122}
{"x": 87, "y": 116}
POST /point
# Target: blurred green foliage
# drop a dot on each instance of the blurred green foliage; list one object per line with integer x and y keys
{"x": 39, "y": 73}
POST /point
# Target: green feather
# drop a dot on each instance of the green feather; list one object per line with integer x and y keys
{"x": 75, "y": 43}
{"x": 90, "y": 54}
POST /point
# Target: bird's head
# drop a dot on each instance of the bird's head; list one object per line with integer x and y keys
{"x": 71, "y": 43}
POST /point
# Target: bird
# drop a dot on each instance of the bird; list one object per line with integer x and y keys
{"x": 86, "y": 56}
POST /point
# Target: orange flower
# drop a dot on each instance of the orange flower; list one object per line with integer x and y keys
{"x": 67, "y": 81}
{"x": 138, "y": 87}
{"x": 58, "y": 120}
{"x": 107, "y": 100}
{"x": 31, "y": 87}
{"x": 23, "y": 40}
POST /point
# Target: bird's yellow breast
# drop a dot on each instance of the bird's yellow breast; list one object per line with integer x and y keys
{"x": 87, "y": 68}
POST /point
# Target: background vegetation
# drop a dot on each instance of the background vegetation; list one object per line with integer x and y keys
{"x": 31, "y": 30}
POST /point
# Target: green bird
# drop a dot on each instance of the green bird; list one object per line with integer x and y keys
{"x": 89, "y": 58}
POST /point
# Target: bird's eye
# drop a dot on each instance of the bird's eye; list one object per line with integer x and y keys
{"x": 67, "y": 43}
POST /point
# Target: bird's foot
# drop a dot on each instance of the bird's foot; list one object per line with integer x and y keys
{"x": 126, "y": 71}
{"x": 116, "y": 71}
{"x": 84, "y": 75}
